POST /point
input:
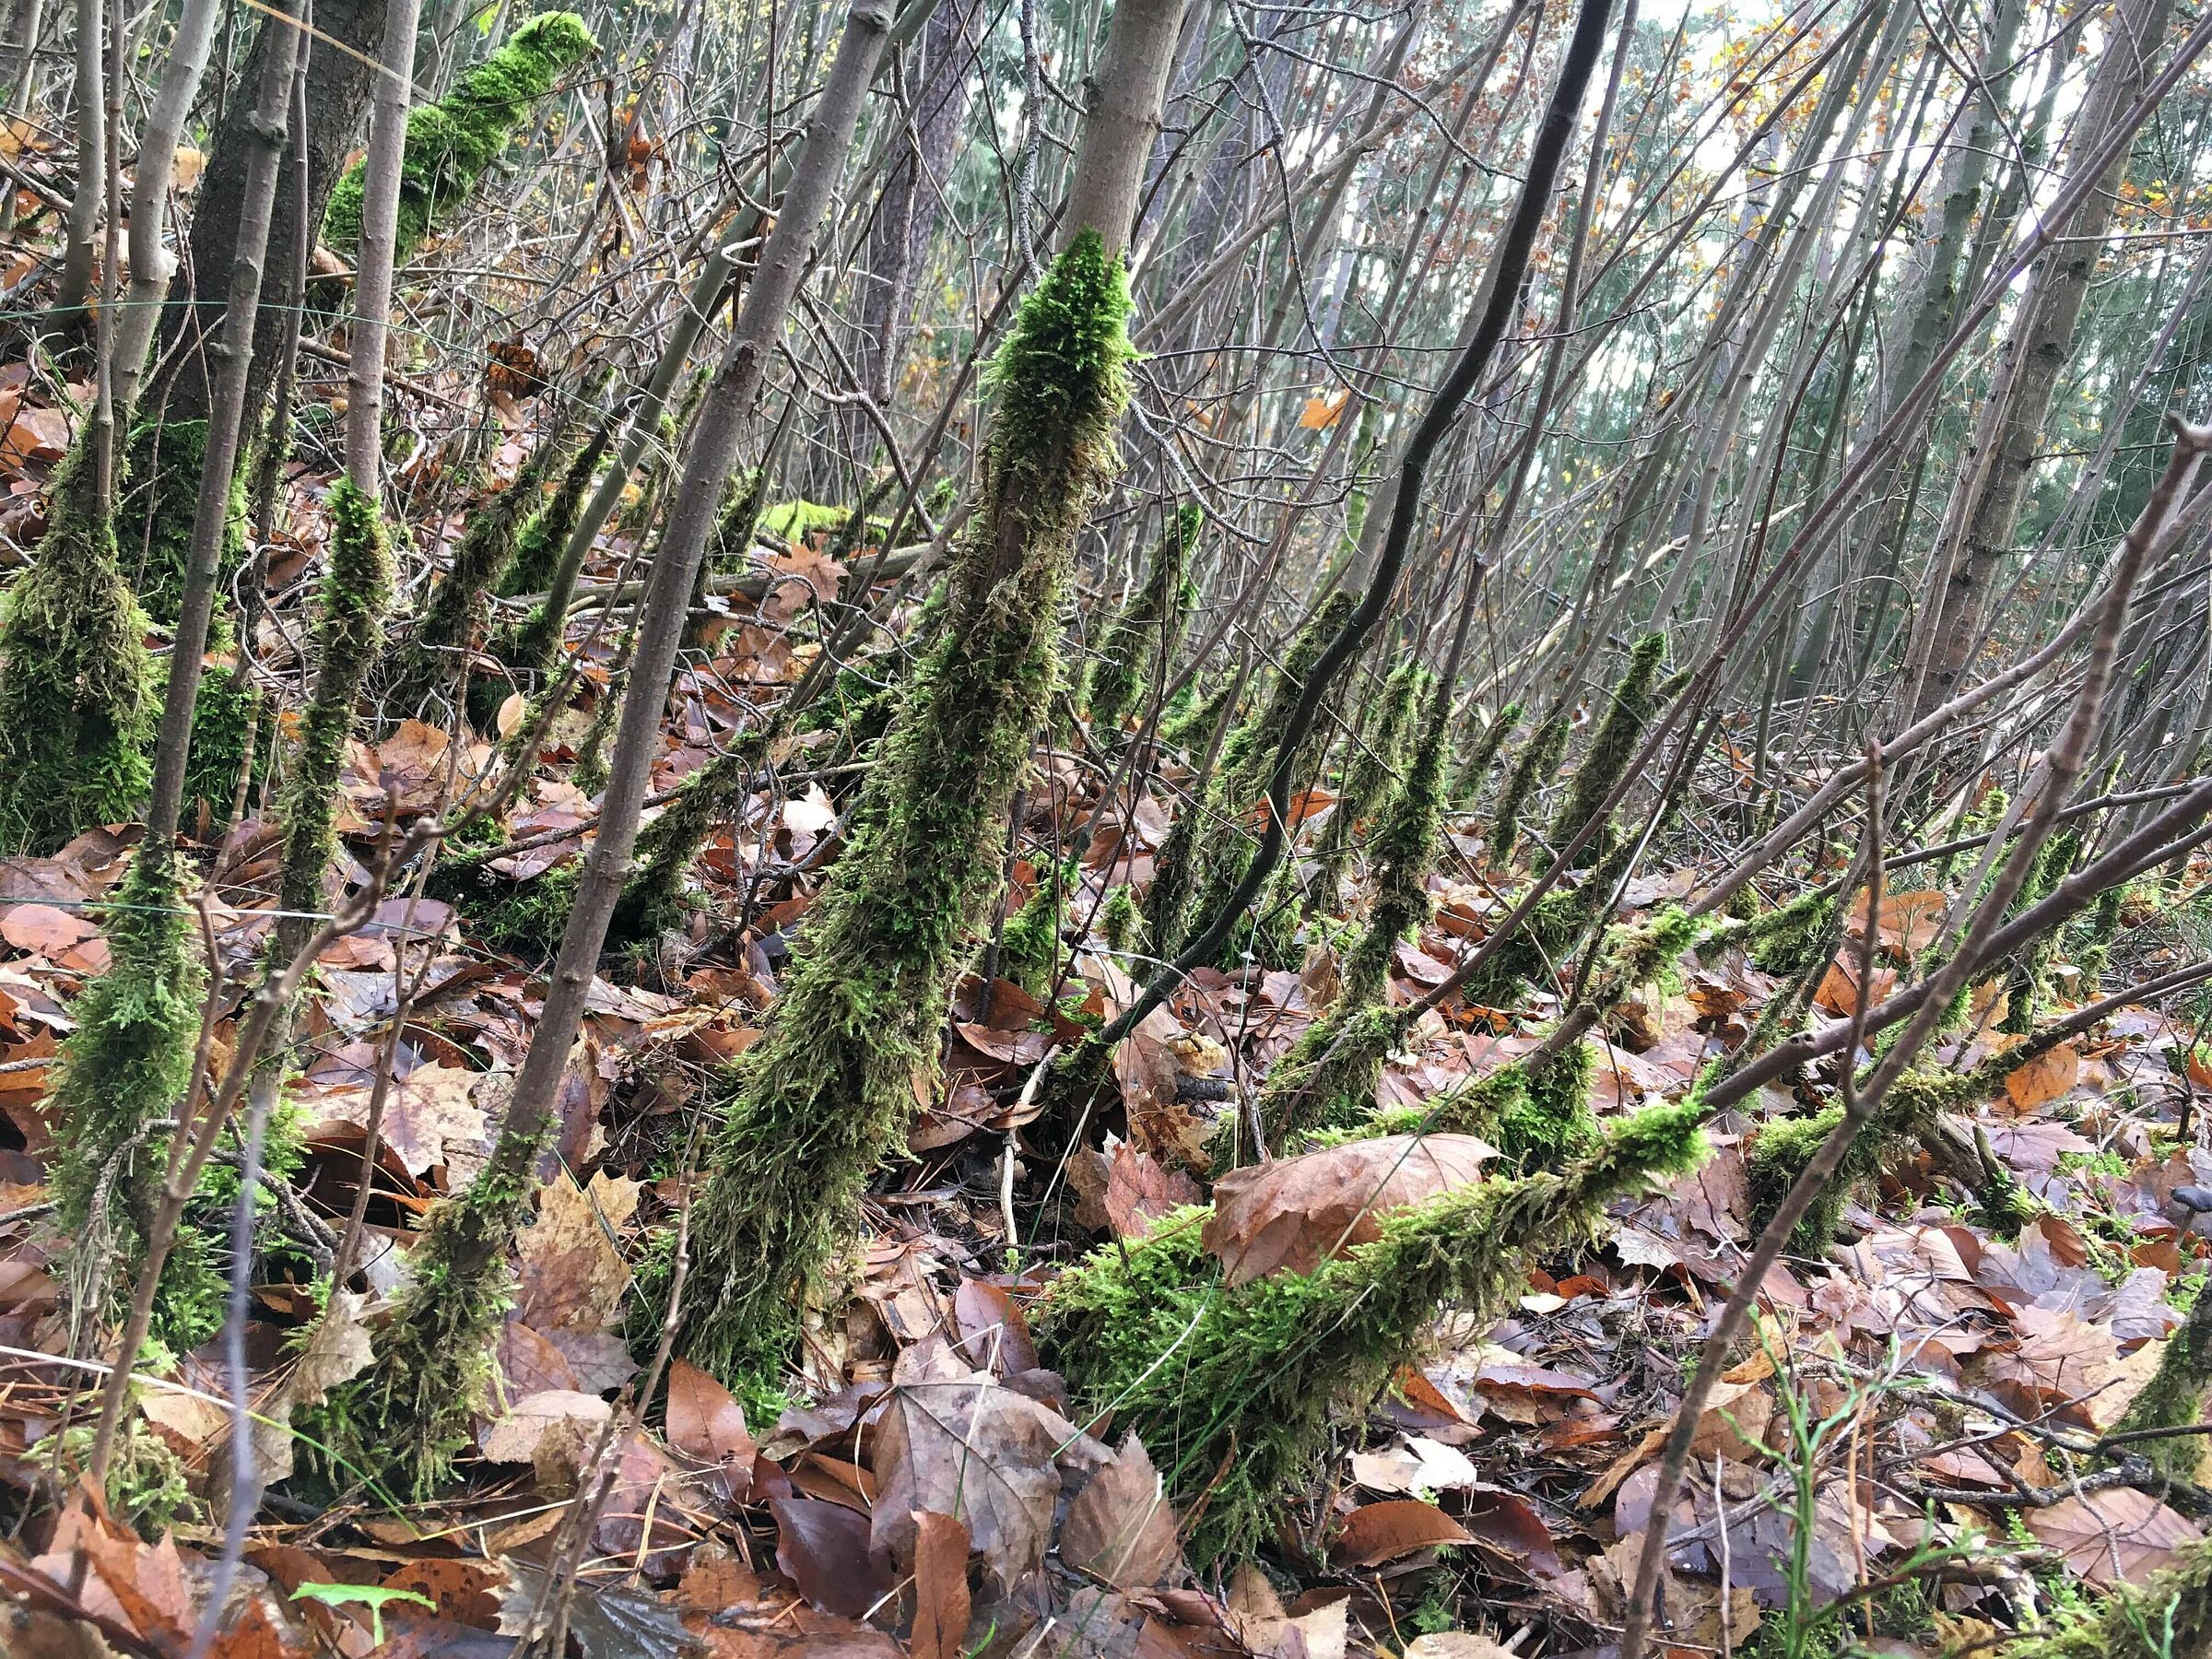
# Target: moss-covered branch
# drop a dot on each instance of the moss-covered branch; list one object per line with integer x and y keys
{"x": 452, "y": 142}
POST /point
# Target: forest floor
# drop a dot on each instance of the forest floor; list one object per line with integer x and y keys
{"x": 1901, "y": 1458}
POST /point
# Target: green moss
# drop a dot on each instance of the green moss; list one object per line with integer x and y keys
{"x": 2029, "y": 985}
{"x": 1784, "y": 941}
{"x": 1612, "y": 747}
{"x": 1467, "y": 781}
{"x": 538, "y": 544}
{"x": 1119, "y": 926}
{"x": 1234, "y": 1388}
{"x": 76, "y": 708}
{"x": 1369, "y": 776}
{"x": 1778, "y": 1154}
{"x": 348, "y": 630}
{"x": 2174, "y": 1397}
{"x": 127, "y": 1066}
{"x": 794, "y": 521}
{"x": 1146, "y": 632}
{"x": 1328, "y": 1079}
{"x": 1550, "y": 1122}
{"x": 1474, "y": 1107}
{"x": 1031, "y": 947}
{"x": 1539, "y": 758}
{"x": 405, "y": 1419}
{"x": 1192, "y": 724}
{"x": 828, "y": 1092}
{"x": 2168, "y": 1615}
{"x": 165, "y": 459}
{"x": 228, "y": 717}
{"x": 148, "y": 1486}
{"x": 652, "y": 898}
{"x": 452, "y": 143}
{"x": 1221, "y": 846}
{"x": 436, "y": 652}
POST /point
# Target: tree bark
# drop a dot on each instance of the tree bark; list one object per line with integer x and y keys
{"x": 338, "y": 82}
{"x": 75, "y": 285}
{"x": 1993, "y": 484}
{"x": 151, "y": 262}
{"x": 233, "y": 350}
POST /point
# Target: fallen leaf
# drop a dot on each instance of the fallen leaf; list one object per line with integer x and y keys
{"x": 2111, "y": 1536}
{"x": 1123, "y": 1191}
{"x": 515, "y": 1438}
{"x": 940, "y": 1587}
{"x": 2044, "y": 1078}
{"x": 1294, "y": 1214}
{"x": 1121, "y": 1527}
{"x": 43, "y": 929}
{"x": 823, "y": 1549}
{"x": 572, "y": 1275}
{"x": 965, "y": 1446}
{"x": 1376, "y": 1532}
{"x": 704, "y": 1419}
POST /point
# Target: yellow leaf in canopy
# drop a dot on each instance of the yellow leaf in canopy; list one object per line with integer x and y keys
{"x": 1321, "y": 412}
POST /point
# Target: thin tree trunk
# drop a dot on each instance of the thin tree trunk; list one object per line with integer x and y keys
{"x": 151, "y": 262}
{"x": 75, "y": 285}
{"x": 233, "y": 350}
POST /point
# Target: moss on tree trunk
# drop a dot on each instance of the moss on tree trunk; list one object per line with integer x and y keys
{"x": 820, "y": 1100}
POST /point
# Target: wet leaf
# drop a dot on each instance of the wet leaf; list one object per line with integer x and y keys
{"x": 823, "y": 1549}
{"x": 940, "y": 1587}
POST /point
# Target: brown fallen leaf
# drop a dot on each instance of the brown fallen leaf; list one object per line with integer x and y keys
{"x": 1376, "y": 1532}
{"x": 2114, "y": 1536}
{"x": 823, "y": 1549}
{"x": 1123, "y": 1191}
{"x": 1294, "y": 1214}
{"x": 515, "y": 1438}
{"x": 43, "y": 929}
{"x": 967, "y": 1447}
{"x": 1121, "y": 1527}
{"x": 705, "y": 1420}
{"x": 940, "y": 1587}
{"x": 2044, "y": 1078}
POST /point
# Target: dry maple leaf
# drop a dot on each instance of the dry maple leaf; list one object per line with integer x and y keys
{"x": 1121, "y": 1527}
{"x": 1294, "y": 1214}
{"x": 2113, "y": 1536}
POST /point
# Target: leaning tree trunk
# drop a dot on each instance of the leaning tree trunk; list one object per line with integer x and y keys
{"x": 829, "y": 1091}
{"x": 1993, "y": 483}
{"x": 414, "y": 1412}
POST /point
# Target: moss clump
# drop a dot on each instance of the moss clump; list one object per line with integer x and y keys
{"x": 1612, "y": 747}
{"x": 450, "y": 624}
{"x": 149, "y": 1485}
{"x": 1786, "y": 941}
{"x": 1644, "y": 954}
{"x": 1031, "y": 947}
{"x": 356, "y": 591}
{"x": 793, "y": 521}
{"x": 2174, "y": 1397}
{"x": 1539, "y": 758}
{"x": 1550, "y": 1122}
{"x": 2168, "y": 1616}
{"x": 538, "y": 544}
{"x": 2030, "y": 983}
{"x": 127, "y": 1064}
{"x": 166, "y": 458}
{"x": 228, "y": 720}
{"x": 1474, "y": 1107}
{"x": 405, "y": 1419}
{"x": 1467, "y": 781}
{"x": 452, "y": 142}
{"x": 1232, "y": 1388}
{"x": 1779, "y": 1155}
{"x": 76, "y": 706}
{"x": 653, "y": 897}
{"x": 1326, "y": 1080}
{"x": 820, "y": 1100}
{"x": 1188, "y": 722}
{"x": 1221, "y": 847}
{"x": 1146, "y": 632}
{"x": 1369, "y": 775}
{"x": 1119, "y": 926}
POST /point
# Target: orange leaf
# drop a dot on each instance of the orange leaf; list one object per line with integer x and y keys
{"x": 1323, "y": 411}
{"x": 2045, "y": 1077}
{"x": 1376, "y": 1532}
